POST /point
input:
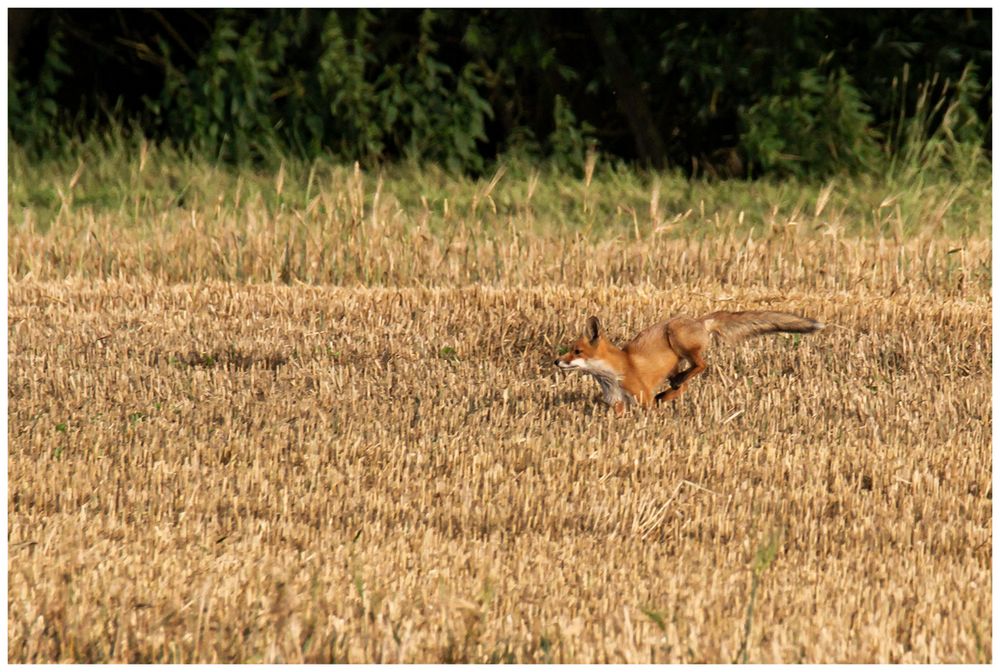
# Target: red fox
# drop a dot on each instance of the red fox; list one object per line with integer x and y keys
{"x": 631, "y": 374}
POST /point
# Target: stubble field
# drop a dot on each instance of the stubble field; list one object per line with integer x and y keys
{"x": 231, "y": 453}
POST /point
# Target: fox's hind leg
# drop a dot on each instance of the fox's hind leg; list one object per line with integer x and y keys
{"x": 688, "y": 339}
{"x": 678, "y": 382}
{"x": 697, "y": 365}
{"x": 669, "y": 395}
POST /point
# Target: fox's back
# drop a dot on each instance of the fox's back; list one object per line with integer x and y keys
{"x": 655, "y": 338}
{"x": 650, "y": 353}
{"x": 649, "y": 340}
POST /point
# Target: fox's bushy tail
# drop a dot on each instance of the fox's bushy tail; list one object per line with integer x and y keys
{"x": 734, "y": 327}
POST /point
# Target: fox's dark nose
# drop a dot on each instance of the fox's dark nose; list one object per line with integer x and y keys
{"x": 556, "y": 362}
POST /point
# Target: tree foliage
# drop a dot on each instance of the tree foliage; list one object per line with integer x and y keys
{"x": 722, "y": 92}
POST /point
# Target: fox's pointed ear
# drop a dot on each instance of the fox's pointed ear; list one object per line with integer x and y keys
{"x": 593, "y": 329}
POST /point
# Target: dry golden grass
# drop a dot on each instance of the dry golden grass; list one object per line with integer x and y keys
{"x": 226, "y": 472}
{"x": 147, "y": 214}
{"x": 375, "y": 460}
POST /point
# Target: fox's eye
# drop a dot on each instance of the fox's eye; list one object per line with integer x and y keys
{"x": 577, "y": 352}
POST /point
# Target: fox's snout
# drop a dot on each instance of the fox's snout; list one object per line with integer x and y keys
{"x": 567, "y": 361}
{"x": 564, "y": 361}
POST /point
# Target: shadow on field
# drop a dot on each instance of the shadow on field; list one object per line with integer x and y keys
{"x": 229, "y": 359}
{"x": 588, "y": 404}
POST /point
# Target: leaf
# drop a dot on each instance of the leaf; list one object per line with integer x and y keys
{"x": 656, "y": 617}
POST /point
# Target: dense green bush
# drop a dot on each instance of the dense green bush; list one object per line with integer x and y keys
{"x": 819, "y": 124}
{"x": 724, "y": 92}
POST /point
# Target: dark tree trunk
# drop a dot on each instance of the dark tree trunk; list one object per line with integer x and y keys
{"x": 18, "y": 23}
{"x": 628, "y": 93}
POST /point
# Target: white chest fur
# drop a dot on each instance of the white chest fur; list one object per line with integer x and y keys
{"x": 612, "y": 391}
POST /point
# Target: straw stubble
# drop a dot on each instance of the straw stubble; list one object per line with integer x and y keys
{"x": 252, "y": 473}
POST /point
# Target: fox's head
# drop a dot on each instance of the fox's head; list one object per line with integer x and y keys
{"x": 586, "y": 351}
{"x": 596, "y": 356}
